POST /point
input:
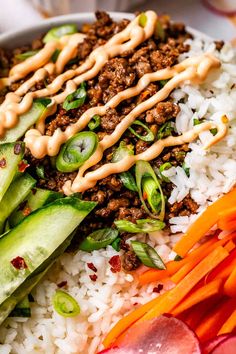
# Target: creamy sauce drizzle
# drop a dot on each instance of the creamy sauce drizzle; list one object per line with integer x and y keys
{"x": 193, "y": 70}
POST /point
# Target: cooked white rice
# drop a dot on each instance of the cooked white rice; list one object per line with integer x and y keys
{"x": 105, "y": 301}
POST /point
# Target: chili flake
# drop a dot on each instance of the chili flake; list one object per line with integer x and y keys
{"x": 19, "y": 263}
{"x": 157, "y": 288}
{"x": 3, "y": 163}
{"x": 17, "y": 149}
{"x": 115, "y": 263}
{"x": 62, "y": 284}
{"x": 26, "y": 211}
{"x": 92, "y": 267}
{"x": 22, "y": 166}
{"x": 93, "y": 277}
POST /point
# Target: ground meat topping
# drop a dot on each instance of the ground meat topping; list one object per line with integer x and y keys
{"x": 130, "y": 261}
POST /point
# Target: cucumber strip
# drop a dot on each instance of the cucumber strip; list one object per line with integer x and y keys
{"x": 10, "y": 157}
{"x": 15, "y": 194}
{"x": 35, "y": 200}
{"x": 22, "y": 309}
{"x": 24, "y": 249}
{"x": 38, "y": 109}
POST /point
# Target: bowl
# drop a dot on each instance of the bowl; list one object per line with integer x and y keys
{"x": 23, "y": 36}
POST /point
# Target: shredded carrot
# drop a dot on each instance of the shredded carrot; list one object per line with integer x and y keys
{"x": 175, "y": 296}
{"x": 153, "y": 275}
{"x": 227, "y": 225}
{"x": 230, "y": 246}
{"x": 204, "y": 223}
{"x": 199, "y": 295}
{"x": 224, "y": 269}
{"x": 213, "y": 321}
{"x": 228, "y": 214}
{"x": 229, "y": 325}
{"x": 230, "y": 284}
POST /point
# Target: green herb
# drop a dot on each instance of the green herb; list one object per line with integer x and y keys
{"x": 128, "y": 181}
{"x": 165, "y": 166}
{"x": 26, "y": 55}
{"x": 178, "y": 258}
{"x": 65, "y": 305}
{"x": 75, "y": 99}
{"x": 94, "y": 122}
{"x": 143, "y": 170}
{"x": 116, "y": 244}
{"x": 147, "y": 255}
{"x": 163, "y": 82}
{"x": 196, "y": 121}
{"x": 55, "y": 33}
{"x": 76, "y": 151}
{"x": 40, "y": 171}
{"x": 98, "y": 239}
{"x": 142, "y": 19}
{"x": 55, "y": 55}
{"x": 141, "y": 226}
{"x": 213, "y": 131}
{"x": 148, "y": 137}
{"x": 165, "y": 130}
{"x": 186, "y": 169}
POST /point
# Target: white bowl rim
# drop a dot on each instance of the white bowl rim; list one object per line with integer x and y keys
{"x": 9, "y": 38}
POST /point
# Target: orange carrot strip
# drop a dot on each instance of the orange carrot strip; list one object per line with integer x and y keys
{"x": 230, "y": 284}
{"x": 227, "y": 225}
{"x": 204, "y": 223}
{"x": 228, "y": 214}
{"x": 153, "y": 275}
{"x": 229, "y": 325}
{"x": 198, "y": 295}
{"x": 213, "y": 321}
{"x": 230, "y": 245}
{"x": 176, "y": 295}
{"x": 224, "y": 269}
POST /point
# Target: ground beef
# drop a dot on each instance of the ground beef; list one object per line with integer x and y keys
{"x": 184, "y": 208}
{"x": 162, "y": 112}
{"x": 130, "y": 261}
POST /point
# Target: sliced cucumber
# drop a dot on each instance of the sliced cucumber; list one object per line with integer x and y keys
{"x": 22, "y": 309}
{"x": 10, "y": 156}
{"x": 35, "y": 200}
{"x": 24, "y": 249}
{"x": 38, "y": 109}
{"x": 15, "y": 194}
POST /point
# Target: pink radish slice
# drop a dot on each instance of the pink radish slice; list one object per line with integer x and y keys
{"x": 209, "y": 345}
{"x": 222, "y": 7}
{"x": 161, "y": 335}
{"x": 227, "y": 346}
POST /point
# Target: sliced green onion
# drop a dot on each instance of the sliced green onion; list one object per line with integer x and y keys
{"x": 186, "y": 169}
{"x": 40, "y": 171}
{"x": 65, "y": 305}
{"x": 98, "y": 239}
{"x": 26, "y": 55}
{"x": 43, "y": 100}
{"x": 196, "y": 121}
{"x": 95, "y": 122}
{"x": 163, "y": 82}
{"x": 153, "y": 196}
{"x": 177, "y": 258}
{"x": 143, "y": 169}
{"x": 122, "y": 151}
{"x": 76, "y": 151}
{"x": 148, "y": 137}
{"x": 116, "y": 244}
{"x": 147, "y": 255}
{"x": 142, "y": 19}
{"x": 55, "y": 55}
{"x": 213, "y": 131}
{"x": 75, "y": 99}
{"x": 54, "y": 34}
{"x": 165, "y": 166}
{"x": 159, "y": 31}
{"x": 128, "y": 181}
{"x": 141, "y": 226}
{"x": 165, "y": 130}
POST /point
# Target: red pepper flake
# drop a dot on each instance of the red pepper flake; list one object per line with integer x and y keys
{"x": 62, "y": 284}
{"x": 158, "y": 288}
{"x": 92, "y": 267}
{"x": 135, "y": 304}
{"x": 22, "y": 166}
{"x": 26, "y": 211}
{"x": 93, "y": 277}
{"x": 3, "y": 162}
{"x": 115, "y": 263}
{"x": 17, "y": 149}
{"x": 19, "y": 263}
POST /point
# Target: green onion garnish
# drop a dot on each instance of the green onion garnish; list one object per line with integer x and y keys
{"x": 95, "y": 122}
{"x": 98, "y": 239}
{"x": 40, "y": 171}
{"x": 165, "y": 130}
{"x": 54, "y": 34}
{"x": 141, "y": 226}
{"x": 163, "y": 82}
{"x": 148, "y": 137}
{"x": 43, "y": 100}
{"x": 76, "y": 151}
{"x": 213, "y": 131}
{"x": 26, "y": 55}
{"x": 143, "y": 170}
{"x": 122, "y": 151}
{"x": 55, "y": 55}
{"x": 159, "y": 31}
{"x": 128, "y": 181}
{"x": 116, "y": 244}
{"x": 186, "y": 169}
{"x": 148, "y": 255}
{"x": 75, "y": 99}
{"x": 196, "y": 121}
{"x": 65, "y": 305}
{"x": 165, "y": 166}
{"x": 177, "y": 258}
{"x": 142, "y": 19}
{"x": 153, "y": 196}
